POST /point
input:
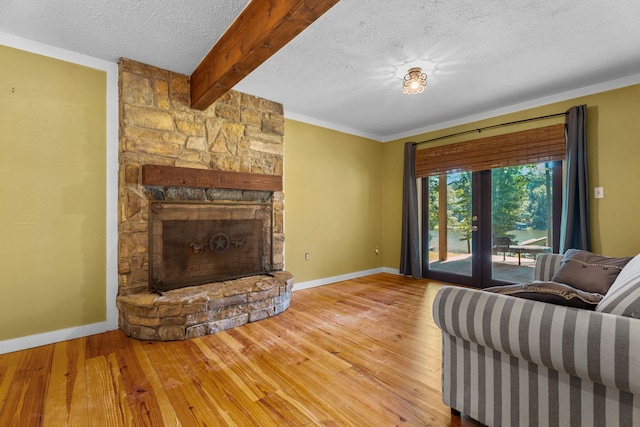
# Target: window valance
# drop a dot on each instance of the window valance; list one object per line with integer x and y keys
{"x": 538, "y": 145}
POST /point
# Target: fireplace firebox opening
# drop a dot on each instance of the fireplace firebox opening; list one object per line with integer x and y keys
{"x": 193, "y": 243}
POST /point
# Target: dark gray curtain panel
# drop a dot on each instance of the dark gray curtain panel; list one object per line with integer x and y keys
{"x": 410, "y": 246}
{"x": 575, "y": 229}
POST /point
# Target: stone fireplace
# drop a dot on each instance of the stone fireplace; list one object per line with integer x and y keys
{"x": 201, "y": 207}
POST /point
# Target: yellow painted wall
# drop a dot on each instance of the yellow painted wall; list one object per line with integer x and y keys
{"x": 613, "y": 134}
{"x": 52, "y": 190}
{"x": 392, "y": 202}
{"x": 342, "y": 192}
{"x": 333, "y": 202}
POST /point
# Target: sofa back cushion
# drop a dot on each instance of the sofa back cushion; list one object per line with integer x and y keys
{"x": 588, "y": 271}
{"x": 623, "y": 297}
{"x": 546, "y": 266}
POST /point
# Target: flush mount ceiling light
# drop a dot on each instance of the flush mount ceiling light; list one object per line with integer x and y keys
{"x": 415, "y": 81}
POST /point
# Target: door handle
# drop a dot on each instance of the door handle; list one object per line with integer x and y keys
{"x": 474, "y": 228}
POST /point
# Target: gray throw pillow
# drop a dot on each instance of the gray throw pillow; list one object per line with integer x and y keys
{"x": 551, "y": 292}
{"x": 623, "y": 297}
{"x": 588, "y": 271}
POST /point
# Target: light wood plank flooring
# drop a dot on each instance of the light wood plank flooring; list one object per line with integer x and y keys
{"x": 362, "y": 352}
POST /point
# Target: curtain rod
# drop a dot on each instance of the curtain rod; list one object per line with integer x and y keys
{"x": 490, "y": 127}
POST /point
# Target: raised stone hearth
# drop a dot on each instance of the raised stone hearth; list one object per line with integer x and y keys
{"x": 205, "y": 309}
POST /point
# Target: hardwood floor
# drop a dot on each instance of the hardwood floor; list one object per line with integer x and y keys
{"x": 363, "y": 352}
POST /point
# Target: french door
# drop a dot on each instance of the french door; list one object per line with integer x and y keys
{"x": 486, "y": 228}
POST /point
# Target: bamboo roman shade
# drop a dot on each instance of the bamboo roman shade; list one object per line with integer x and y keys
{"x": 538, "y": 145}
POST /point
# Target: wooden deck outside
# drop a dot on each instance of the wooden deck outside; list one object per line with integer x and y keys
{"x": 363, "y": 352}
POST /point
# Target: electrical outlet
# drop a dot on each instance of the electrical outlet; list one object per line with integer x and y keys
{"x": 598, "y": 192}
{"x": 306, "y": 256}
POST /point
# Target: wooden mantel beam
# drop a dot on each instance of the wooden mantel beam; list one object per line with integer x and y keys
{"x": 172, "y": 176}
{"x": 262, "y": 28}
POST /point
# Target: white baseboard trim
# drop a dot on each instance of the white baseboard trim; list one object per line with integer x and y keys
{"x": 328, "y": 280}
{"x": 395, "y": 271}
{"x": 45, "y": 338}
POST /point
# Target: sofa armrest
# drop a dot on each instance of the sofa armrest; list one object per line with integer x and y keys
{"x": 601, "y": 347}
{"x": 546, "y": 266}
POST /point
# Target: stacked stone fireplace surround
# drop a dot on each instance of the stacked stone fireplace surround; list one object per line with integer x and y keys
{"x": 239, "y": 134}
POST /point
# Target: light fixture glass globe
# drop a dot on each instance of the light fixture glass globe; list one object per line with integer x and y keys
{"x": 414, "y": 82}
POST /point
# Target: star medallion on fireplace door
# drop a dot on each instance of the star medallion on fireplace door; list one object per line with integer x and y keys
{"x": 219, "y": 243}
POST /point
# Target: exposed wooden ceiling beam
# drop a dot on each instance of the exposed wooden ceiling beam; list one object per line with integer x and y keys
{"x": 262, "y": 28}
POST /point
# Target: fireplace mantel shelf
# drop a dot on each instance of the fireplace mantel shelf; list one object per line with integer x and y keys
{"x": 173, "y": 176}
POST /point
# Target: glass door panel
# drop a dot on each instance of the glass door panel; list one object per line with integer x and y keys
{"x": 450, "y": 224}
{"x": 521, "y": 218}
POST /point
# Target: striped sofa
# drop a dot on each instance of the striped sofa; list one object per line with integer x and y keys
{"x": 508, "y": 361}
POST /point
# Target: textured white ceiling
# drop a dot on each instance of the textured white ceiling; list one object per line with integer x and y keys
{"x": 171, "y": 34}
{"x": 345, "y": 70}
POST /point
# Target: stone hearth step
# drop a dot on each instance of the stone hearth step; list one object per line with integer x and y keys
{"x": 200, "y": 310}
